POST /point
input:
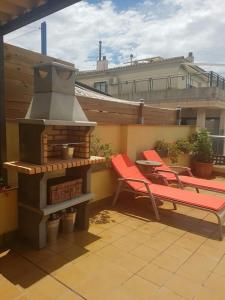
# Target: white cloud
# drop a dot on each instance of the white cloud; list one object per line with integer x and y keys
{"x": 165, "y": 28}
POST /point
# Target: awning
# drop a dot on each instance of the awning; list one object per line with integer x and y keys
{"x": 15, "y": 14}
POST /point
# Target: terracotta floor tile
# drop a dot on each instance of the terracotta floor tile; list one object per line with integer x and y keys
{"x": 166, "y": 294}
{"x": 47, "y": 287}
{"x": 168, "y": 262}
{"x": 167, "y": 236}
{"x": 141, "y": 237}
{"x": 207, "y": 294}
{"x": 155, "y": 274}
{"x": 74, "y": 252}
{"x": 157, "y": 243}
{"x": 60, "y": 245}
{"x": 177, "y": 251}
{"x": 69, "y": 295}
{"x": 211, "y": 252}
{"x": 53, "y": 263}
{"x": 38, "y": 255}
{"x": 197, "y": 274}
{"x": 183, "y": 287}
{"x": 199, "y": 260}
{"x": 109, "y": 236}
{"x": 123, "y": 259}
{"x": 145, "y": 253}
{"x": 122, "y": 229}
{"x": 149, "y": 228}
{"x": 95, "y": 246}
{"x": 103, "y": 282}
{"x": 127, "y": 243}
{"x": 140, "y": 288}
{"x": 216, "y": 282}
{"x": 9, "y": 291}
{"x": 134, "y": 222}
{"x": 120, "y": 294}
{"x": 189, "y": 242}
{"x": 220, "y": 268}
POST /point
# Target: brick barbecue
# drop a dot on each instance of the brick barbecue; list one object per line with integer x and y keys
{"x": 49, "y": 183}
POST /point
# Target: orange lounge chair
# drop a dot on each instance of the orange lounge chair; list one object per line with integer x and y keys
{"x": 171, "y": 176}
{"x": 132, "y": 180}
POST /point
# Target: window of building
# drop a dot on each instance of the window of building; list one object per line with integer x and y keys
{"x": 101, "y": 86}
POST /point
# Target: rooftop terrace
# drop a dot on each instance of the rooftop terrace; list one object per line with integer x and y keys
{"x": 125, "y": 254}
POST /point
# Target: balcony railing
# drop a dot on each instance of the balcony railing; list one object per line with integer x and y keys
{"x": 132, "y": 88}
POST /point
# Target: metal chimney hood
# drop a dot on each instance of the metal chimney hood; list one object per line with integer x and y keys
{"x": 54, "y": 101}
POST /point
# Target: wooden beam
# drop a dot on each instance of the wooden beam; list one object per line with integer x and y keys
{"x": 10, "y": 9}
{"x": 50, "y": 7}
{"x": 2, "y": 112}
{"x": 26, "y": 4}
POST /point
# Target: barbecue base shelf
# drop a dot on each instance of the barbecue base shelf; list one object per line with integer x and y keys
{"x": 34, "y": 209}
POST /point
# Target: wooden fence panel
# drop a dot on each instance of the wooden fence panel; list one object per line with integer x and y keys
{"x": 19, "y": 65}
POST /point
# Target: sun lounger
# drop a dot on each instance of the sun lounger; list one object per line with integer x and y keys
{"x": 182, "y": 180}
{"x": 131, "y": 179}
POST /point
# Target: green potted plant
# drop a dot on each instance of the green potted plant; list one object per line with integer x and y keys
{"x": 202, "y": 153}
{"x": 166, "y": 149}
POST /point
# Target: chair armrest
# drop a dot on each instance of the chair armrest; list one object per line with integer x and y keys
{"x": 134, "y": 180}
{"x": 187, "y": 169}
{"x": 157, "y": 176}
{"x": 145, "y": 182}
{"x": 171, "y": 172}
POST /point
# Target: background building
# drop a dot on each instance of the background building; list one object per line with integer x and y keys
{"x": 172, "y": 82}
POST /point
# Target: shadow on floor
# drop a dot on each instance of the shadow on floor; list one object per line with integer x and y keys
{"x": 183, "y": 218}
{"x": 24, "y": 266}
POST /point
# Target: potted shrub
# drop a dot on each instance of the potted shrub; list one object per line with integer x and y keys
{"x": 202, "y": 153}
{"x": 169, "y": 150}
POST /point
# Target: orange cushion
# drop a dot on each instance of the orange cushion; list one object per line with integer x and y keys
{"x": 186, "y": 197}
{"x": 127, "y": 169}
{"x": 203, "y": 183}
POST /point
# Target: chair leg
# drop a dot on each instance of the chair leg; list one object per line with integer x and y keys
{"x": 197, "y": 190}
{"x": 117, "y": 193}
{"x": 152, "y": 199}
{"x": 220, "y": 218}
{"x": 174, "y": 206}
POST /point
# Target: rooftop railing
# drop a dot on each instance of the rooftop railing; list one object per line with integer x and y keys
{"x": 131, "y": 88}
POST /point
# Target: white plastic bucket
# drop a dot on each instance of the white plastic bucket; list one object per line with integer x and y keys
{"x": 52, "y": 230}
{"x": 68, "y": 221}
{"x": 67, "y": 152}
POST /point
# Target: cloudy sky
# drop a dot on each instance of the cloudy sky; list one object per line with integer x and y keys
{"x": 144, "y": 28}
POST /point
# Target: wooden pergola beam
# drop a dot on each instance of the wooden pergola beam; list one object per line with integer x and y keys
{"x": 36, "y": 13}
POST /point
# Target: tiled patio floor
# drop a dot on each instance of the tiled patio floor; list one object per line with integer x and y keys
{"x": 125, "y": 254}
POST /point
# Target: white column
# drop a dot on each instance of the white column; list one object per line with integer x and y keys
{"x": 201, "y": 115}
{"x": 222, "y": 127}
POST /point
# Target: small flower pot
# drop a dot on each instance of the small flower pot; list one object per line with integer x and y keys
{"x": 68, "y": 220}
{"x": 53, "y": 229}
{"x": 67, "y": 152}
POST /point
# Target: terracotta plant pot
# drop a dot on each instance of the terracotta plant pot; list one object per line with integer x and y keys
{"x": 201, "y": 169}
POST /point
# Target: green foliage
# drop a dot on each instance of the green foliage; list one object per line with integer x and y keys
{"x": 173, "y": 150}
{"x": 184, "y": 145}
{"x": 162, "y": 148}
{"x": 202, "y": 146}
{"x": 166, "y": 149}
{"x": 101, "y": 149}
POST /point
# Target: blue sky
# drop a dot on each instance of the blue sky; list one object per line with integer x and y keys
{"x": 145, "y": 28}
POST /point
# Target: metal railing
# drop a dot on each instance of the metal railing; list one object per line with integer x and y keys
{"x": 130, "y": 88}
